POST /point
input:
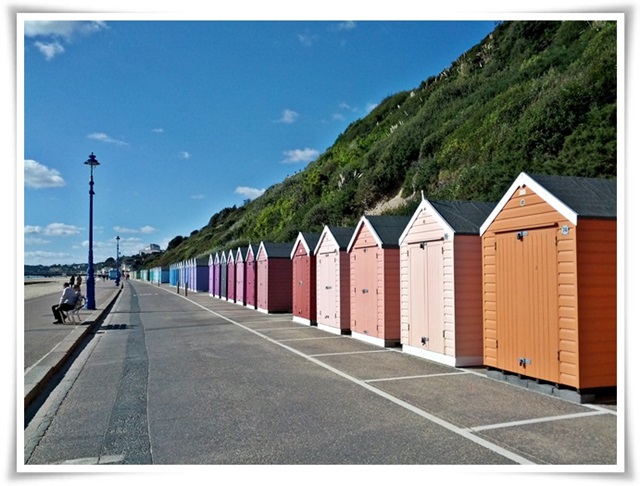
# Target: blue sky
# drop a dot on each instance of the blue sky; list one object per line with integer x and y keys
{"x": 189, "y": 114}
{"x": 189, "y": 117}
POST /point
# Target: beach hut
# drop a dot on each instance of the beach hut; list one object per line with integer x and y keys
{"x": 216, "y": 274}
{"x": 231, "y": 276}
{"x": 441, "y": 282}
{"x": 274, "y": 277}
{"x": 332, "y": 280}
{"x": 251, "y": 280}
{"x": 212, "y": 282}
{"x": 200, "y": 273}
{"x": 375, "y": 279}
{"x": 549, "y": 282}
{"x": 241, "y": 275}
{"x": 173, "y": 274}
{"x": 223, "y": 275}
{"x": 303, "y": 270}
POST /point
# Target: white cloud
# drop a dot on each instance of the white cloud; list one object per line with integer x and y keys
{"x": 31, "y": 240}
{"x": 346, "y": 106}
{"x": 55, "y": 31}
{"x": 307, "y": 39}
{"x": 184, "y": 155}
{"x": 38, "y": 176}
{"x": 32, "y": 230}
{"x": 288, "y": 116}
{"x": 348, "y": 25}
{"x": 49, "y": 50}
{"x": 158, "y": 130}
{"x": 65, "y": 29}
{"x": 103, "y": 137}
{"x": 144, "y": 229}
{"x": 370, "y": 107}
{"x": 249, "y": 192}
{"x": 300, "y": 155}
{"x": 60, "y": 229}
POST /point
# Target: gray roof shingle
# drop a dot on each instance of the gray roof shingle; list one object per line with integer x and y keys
{"x": 465, "y": 217}
{"x": 389, "y": 228}
{"x": 588, "y": 197}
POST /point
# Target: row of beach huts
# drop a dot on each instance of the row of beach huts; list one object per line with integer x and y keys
{"x": 525, "y": 286}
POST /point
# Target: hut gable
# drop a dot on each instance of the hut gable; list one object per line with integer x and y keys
{"x": 385, "y": 230}
{"x": 572, "y": 197}
{"x": 308, "y": 240}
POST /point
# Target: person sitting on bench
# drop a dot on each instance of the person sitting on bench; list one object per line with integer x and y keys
{"x": 67, "y": 302}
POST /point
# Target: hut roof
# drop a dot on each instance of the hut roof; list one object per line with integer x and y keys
{"x": 571, "y": 196}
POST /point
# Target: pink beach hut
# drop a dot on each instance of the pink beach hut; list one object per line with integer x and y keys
{"x": 223, "y": 275}
{"x": 274, "y": 277}
{"x": 216, "y": 275}
{"x": 231, "y": 276}
{"x": 251, "y": 277}
{"x": 241, "y": 275}
{"x": 211, "y": 275}
{"x": 303, "y": 269}
{"x": 441, "y": 282}
{"x": 332, "y": 280}
{"x": 375, "y": 279}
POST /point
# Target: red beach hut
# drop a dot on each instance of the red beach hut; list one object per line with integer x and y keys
{"x": 274, "y": 277}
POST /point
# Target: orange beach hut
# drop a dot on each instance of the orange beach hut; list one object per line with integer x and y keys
{"x": 549, "y": 282}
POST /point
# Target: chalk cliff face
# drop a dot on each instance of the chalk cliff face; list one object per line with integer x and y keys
{"x": 538, "y": 97}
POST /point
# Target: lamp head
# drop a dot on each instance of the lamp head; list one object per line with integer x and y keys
{"x": 92, "y": 161}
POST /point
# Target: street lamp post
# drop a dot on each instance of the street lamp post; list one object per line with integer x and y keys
{"x": 117, "y": 260}
{"x": 91, "y": 283}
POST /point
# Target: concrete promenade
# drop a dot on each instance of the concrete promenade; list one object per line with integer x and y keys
{"x": 453, "y": 415}
{"x": 47, "y": 346}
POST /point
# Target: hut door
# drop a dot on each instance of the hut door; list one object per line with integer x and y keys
{"x": 527, "y": 303}
{"x": 426, "y": 300}
{"x": 300, "y": 286}
{"x": 365, "y": 313}
{"x": 326, "y": 285}
{"x": 262, "y": 299}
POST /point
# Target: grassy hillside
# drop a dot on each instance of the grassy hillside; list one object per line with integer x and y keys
{"x": 532, "y": 96}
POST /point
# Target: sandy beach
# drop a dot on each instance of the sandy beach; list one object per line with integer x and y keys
{"x": 45, "y": 286}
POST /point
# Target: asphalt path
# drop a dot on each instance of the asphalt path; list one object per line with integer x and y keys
{"x": 173, "y": 379}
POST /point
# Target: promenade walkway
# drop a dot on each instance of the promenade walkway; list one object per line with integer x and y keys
{"x": 47, "y": 346}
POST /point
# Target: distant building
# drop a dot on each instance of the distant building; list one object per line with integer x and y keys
{"x": 152, "y": 248}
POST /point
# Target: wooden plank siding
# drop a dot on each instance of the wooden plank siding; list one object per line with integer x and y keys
{"x": 467, "y": 314}
{"x": 441, "y": 282}
{"x": 549, "y": 276}
{"x": 597, "y": 305}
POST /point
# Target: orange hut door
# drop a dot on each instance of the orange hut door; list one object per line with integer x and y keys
{"x": 527, "y": 303}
